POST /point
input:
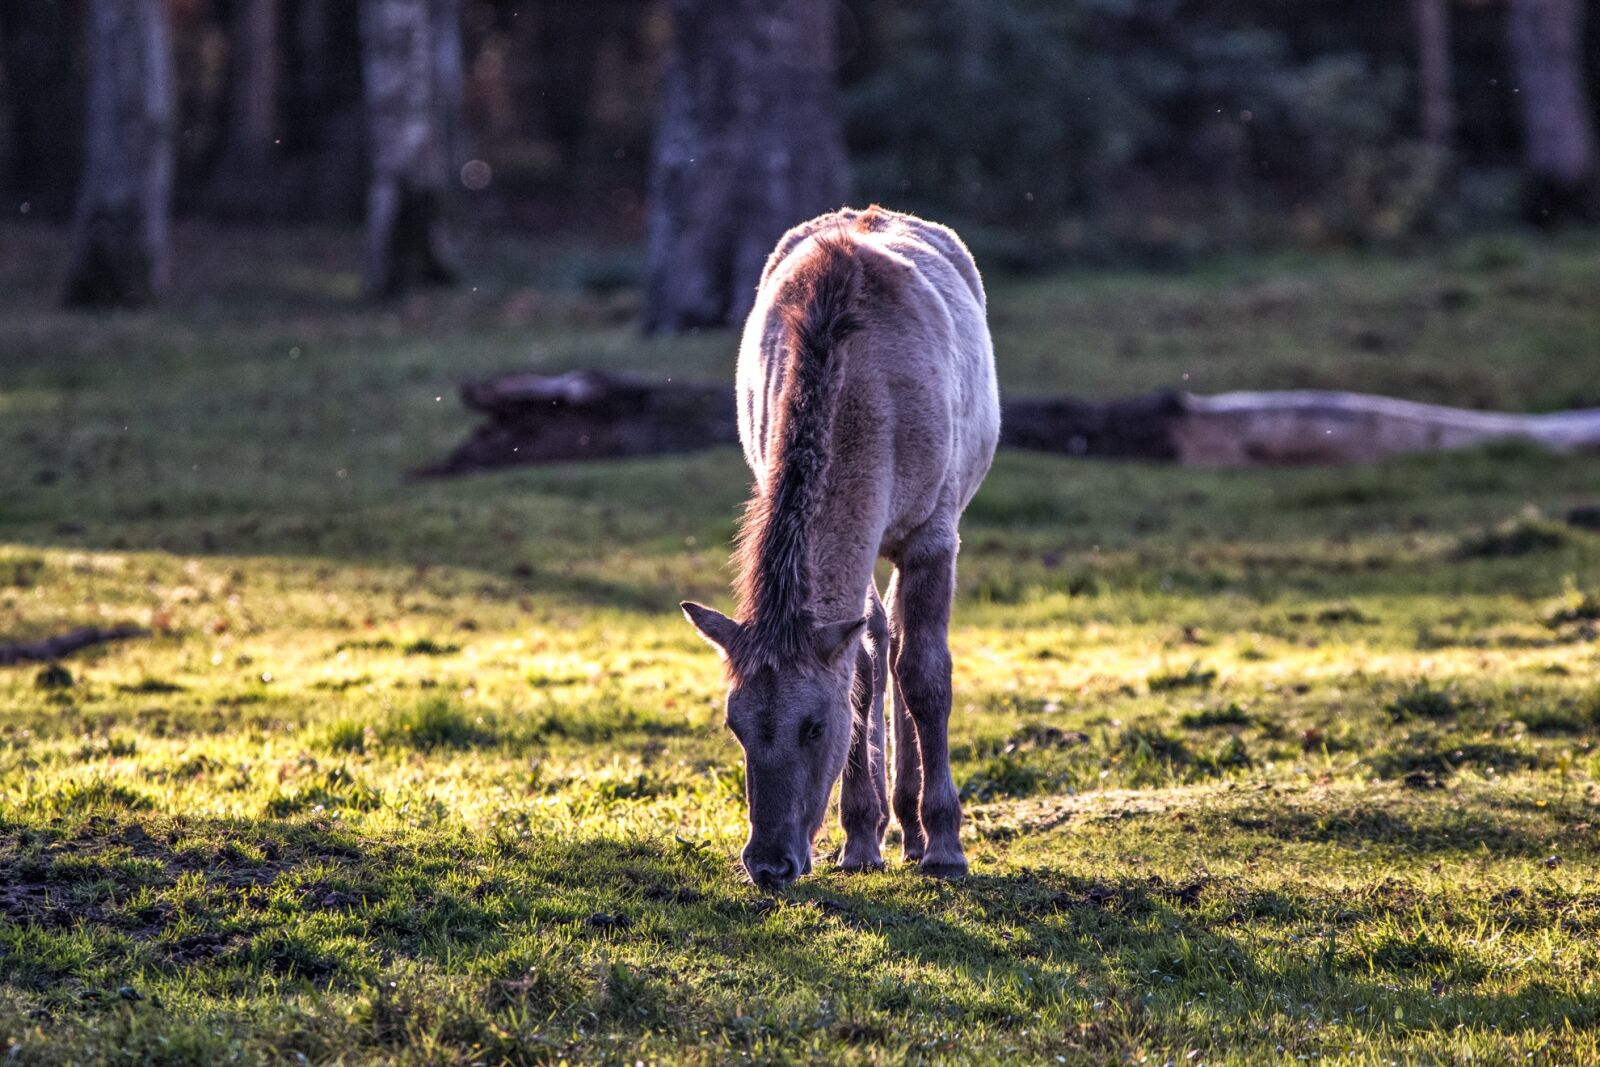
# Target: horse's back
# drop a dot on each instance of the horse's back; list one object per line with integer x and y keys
{"x": 923, "y": 241}
{"x": 919, "y": 412}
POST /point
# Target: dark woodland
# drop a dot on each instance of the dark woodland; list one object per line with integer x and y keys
{"x": 1112, "y": 131}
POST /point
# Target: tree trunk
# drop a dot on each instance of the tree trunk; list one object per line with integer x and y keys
{"x": 748, "y": 144}
{"x": 1546, "y": 38}
{"x": 243, "y": 182}
{"x": 120, "y": 244}
{"x": 323, "y": 164}
{"x": 449, "y": 68}
{"x": 1436, "y": 100}
{"x": 43, "y": 93}
{"x": 411, "y": 52}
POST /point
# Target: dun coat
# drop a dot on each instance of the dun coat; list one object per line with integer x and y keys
{"x": 869, "y": 414}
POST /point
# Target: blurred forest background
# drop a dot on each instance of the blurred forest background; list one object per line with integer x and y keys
{"x": 1048, "y": 133}
{"x": 303, "y": 759}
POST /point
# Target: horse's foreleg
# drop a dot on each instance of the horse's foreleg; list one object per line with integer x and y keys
{"x": 920, "y": 638}
{"x": 863, "y": 796}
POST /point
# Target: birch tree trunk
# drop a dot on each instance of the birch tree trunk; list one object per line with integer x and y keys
{"x": 1436, "y": 99}
{"x": 450, "y": 77}
{"x": 411, "y": 52}
{"x": 121, "y": 253}
{"x": 1546, "y": 38}
{"x": 748, "y": 144}
{"x": 243, "y": 180}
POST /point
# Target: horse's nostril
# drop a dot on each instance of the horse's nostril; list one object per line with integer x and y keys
{"x": 773, "y": 873}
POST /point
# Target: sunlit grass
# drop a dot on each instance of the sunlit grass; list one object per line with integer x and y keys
{"x": 1257, "y": 765}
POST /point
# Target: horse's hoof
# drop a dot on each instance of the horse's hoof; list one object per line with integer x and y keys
{"x": 862, "y": 855}
{"x": 911, "y": 849}
{"x": 935, "y": 867}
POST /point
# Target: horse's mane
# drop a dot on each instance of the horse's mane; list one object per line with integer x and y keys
{"x": 774, "y": 552}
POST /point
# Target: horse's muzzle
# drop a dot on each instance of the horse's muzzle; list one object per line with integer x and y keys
{"x": 775, "y": 870}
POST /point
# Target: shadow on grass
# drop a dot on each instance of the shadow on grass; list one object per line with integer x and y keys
{"x": 106, "y": 897}
{"x": 491, "y": 563}
{"x": 1441, "y": 829}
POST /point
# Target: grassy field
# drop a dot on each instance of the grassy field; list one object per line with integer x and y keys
{"x": 1292, "y": 766}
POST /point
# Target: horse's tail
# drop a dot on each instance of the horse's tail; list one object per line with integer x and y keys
{"x": 818, "y": 306}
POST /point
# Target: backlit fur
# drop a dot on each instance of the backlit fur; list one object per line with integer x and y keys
{"x": 868, "y": 414}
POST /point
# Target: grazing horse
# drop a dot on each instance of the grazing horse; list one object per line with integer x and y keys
{"x": 869, "y": 414}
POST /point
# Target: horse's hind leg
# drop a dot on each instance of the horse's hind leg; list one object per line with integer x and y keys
{"x": 863, "y": 796}
{"x": 907, "y": 755}
{"x": 920, "y": 639}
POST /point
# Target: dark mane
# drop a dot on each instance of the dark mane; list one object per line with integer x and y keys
{"x": 773, "y": 554}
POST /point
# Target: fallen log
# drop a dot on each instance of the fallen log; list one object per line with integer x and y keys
{"x": 1133, "y": 427}
{"x": 534, "y": 418}
{"x": 48, "y": 649}
{"x": 1308, "y": 426}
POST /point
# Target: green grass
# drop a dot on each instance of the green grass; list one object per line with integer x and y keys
{"x": 1271, "y": 766}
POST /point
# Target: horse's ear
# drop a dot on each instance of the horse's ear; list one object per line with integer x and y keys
{"x": 835, "y": 638}
{"x": 713, "y": 625}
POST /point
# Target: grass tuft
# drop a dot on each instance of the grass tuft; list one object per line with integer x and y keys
{"x": 149, "y": 685}
{"x": 97, "y": 795}
{"x": 1192, "y": 677}
{"x": 1576, "y": 608}
{"x": 1424, "y": 700}
{"x": 347, "y": 735}
{"x": 437, "y": 722}
{"x": 1007, "y": 775}
{"x": 22, "y": 572}
{"x": 53, "y": 676}
{"x": 1518, "y": 537}
{"x": 1233, "y": 714}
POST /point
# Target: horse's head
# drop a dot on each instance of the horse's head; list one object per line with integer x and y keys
{"x": 793, "y": 720}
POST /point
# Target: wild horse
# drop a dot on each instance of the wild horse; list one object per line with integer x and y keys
{"x": 869, "y": 413}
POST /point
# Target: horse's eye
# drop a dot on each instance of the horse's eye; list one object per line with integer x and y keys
{"x": 811, "y": 730}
